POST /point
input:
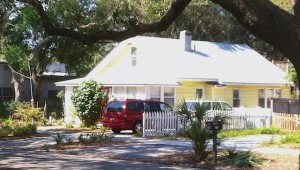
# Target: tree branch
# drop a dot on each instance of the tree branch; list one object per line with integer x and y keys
{"x": 296, "y": 6}
{"x": 175, "y": 10}
{"x": 36, "y": 50}
{"x": 268, "y": 22}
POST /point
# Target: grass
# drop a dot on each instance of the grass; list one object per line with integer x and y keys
{"x": 245, "y": 132}
{"x": 292, "y": 138}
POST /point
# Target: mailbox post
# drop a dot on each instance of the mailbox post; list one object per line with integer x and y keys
{"x": 214, "y": 126}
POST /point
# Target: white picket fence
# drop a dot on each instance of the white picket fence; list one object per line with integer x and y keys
{"x": 245, "y": 118}
{"x": 170, "y": 123}
{"x": 162, "y": 124}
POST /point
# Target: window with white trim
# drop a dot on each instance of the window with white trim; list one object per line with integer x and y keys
{"x": 155, "y": 93}
{"x": 200, "y": 93}
{"x": 265, "y": 95}
{"x": 118, "y": 92}
{"x": 236, "y": 98}
{"x": 169, "y": 95}
{"x": 133, "y": 56}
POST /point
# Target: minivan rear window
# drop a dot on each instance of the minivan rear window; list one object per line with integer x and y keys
{"x": 115, "y": 106}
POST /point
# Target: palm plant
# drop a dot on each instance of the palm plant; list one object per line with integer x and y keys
{"x": 197, "y": 133}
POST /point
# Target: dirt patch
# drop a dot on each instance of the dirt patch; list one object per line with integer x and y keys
{"x": 77, "y": 130}
{"x": 23, "y": 137}
{"x": 77, "y": 145}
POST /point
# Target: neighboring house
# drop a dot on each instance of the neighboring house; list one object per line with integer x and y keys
{"x": 6, "y": 87}
{"x": 53, "y": 73}
{"x": 172, "y": 69}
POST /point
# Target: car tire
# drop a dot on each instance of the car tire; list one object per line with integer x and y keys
{"x": 137, "y": 127}
{"x": 115, "y": 130}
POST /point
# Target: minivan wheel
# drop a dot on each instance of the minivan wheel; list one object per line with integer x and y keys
{"x": 137, "y": 127}
{"x": 115, "y": 130}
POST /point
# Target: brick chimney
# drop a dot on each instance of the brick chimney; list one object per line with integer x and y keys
{"x": 186, "y": 40}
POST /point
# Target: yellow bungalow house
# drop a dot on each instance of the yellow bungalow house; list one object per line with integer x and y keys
{"x": 172, "y": 69}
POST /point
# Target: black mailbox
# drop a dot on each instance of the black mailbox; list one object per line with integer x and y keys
{"x": 214, "y": 125}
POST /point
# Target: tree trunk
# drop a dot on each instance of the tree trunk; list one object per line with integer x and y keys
{"x": 37, "y": 85}
{"x": 19, "y": 83}
{"x": 297, "y": 83}
{"x": 269, "y": 23}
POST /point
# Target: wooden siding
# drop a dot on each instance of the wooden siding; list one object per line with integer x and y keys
{"x": 248, "y": 94}
{"x": 187, "y": 90}
{"x": 115, "y": 60}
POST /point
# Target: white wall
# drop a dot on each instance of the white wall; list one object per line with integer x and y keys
{"x": 70, "y": 116}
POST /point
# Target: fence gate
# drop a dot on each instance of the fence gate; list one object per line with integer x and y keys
{"x": 162, "y": 124}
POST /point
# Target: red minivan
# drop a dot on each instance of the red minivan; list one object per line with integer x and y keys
{"x": 128, "y": 114}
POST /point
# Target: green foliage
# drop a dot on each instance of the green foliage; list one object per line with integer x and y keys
{"x": 292, "y": 77}
{"x": 182, "y": 109}
{"x": 291, "y": 138}
{"x": 89, "y": 100}
{"x": 6, "y": 109}
{"x": 26, "y": 130}
{"x": 197, "y": 133}
{"x": 5, "y": 131}
{"x": 69, "y": 141}
{"x": 138, "y": 134}
{"x": 95, "y": 137}
{"x": 103, "y": 129}
{"x": 59, "y": 139}
{"x": 28, "y": 113}
{"x": 82, "y": 125}
{"x": 237, "y": 133}
{"x": 69, "y": 126}
{"x": 53, "y": 115}
{"x": 199, "y": 138}
{"x": 245, "y": 132}
{"x": 242, "y": 159}
{"x": 93, "y": 127}
{"x": 59, "y": 122}
{"x": 271, "y": 130}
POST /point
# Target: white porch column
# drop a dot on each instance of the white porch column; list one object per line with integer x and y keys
{"x": 266, "y": 98}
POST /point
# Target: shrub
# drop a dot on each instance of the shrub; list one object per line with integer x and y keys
{"x": 197, "y": 133}
{"x": 59, "y": 122}
{"x": 59, "y": 139}
{"x": 271, "y": 130}
{"x": 69, "y": 126}
{"x": 93, "y": 127}
{"x": 291, "y": 138}
{"x": 242, "y": 159}
{"x": 5, "y": 131}
{"x": 8, "y": 122}
{"x": 82, "y": 125}
{"x": 53, "y": 115}
{"x": 28, "y": 113}
{"x": 6, "y": 109}
{"x": 89, "y": 100}
{"x": 26, "y": 130}
{"x": 94, "y": 137}
{"x": 236, "y": 133}
{"x": 138, "y": 134}
{"x": 103, "y": 129}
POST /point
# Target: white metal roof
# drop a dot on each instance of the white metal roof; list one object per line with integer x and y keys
{"x": 163, "y": 61}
